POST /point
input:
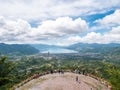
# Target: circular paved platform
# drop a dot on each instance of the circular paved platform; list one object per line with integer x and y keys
{"x": 66, "y": 81}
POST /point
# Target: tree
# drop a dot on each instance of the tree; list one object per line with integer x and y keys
{"x": 5, "y": 69}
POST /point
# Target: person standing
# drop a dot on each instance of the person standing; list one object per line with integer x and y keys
{"x": 76, "y": 78}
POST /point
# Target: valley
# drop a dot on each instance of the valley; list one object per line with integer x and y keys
{"x": 88, "y": 61}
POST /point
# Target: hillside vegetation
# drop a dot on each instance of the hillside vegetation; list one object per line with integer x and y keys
{"x": 17, "y": 49}
{"x": 102, "y": 65}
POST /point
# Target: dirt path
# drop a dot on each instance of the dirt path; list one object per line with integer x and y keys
{"x": 66, "y": 81}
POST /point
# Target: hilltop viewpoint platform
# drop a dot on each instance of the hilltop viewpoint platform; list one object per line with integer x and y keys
{"x": 66, "y": 81}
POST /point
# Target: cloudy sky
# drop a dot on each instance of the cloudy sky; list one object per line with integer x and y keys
{"x": 59, "y": 22}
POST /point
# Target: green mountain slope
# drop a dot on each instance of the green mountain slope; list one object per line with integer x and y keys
{"x": 96, "y": 48}
{"x": 19, "y": 49}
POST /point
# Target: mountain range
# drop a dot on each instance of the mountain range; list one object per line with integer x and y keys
{"x": 18, "y": 49}
{"x": 27, "y": 49}
{"x": 95, "y": 48}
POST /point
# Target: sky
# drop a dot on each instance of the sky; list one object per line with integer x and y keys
{"x": 59, "y": 22}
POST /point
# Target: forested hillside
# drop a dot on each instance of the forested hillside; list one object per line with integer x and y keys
{"x": 107, "y": 68}
{"x": 96, "y": 48}
{"x": 102, "y": 61}
{"x": 17, "y": 49}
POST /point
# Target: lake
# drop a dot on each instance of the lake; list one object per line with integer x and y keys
{"x": 59, "y": 50}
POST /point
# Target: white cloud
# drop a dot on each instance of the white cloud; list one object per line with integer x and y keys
{"x": 62, "y": 31}
{"x": 91, "y": 37}
{"x": 68, "y": 41}
{"x": 20, "y": 31}
{"x": 44, "y": 9}
{"x": 113, "y": 36}
{"x": 110, "y": 20}
{"x": 61, "y": 26}
{"x": 115, "y": 30}
{"x": 55, "y": 22}
{"x": 11, "y": 30}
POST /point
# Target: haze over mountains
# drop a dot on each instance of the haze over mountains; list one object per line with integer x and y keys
{"x": 17, "y": 49}
{"x": 26, "y": 49}
{"x": 95, "y": 48}
{"x": 43, "y": 48}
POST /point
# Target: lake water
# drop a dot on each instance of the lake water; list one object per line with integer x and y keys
{"x": 59, "y": 50}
